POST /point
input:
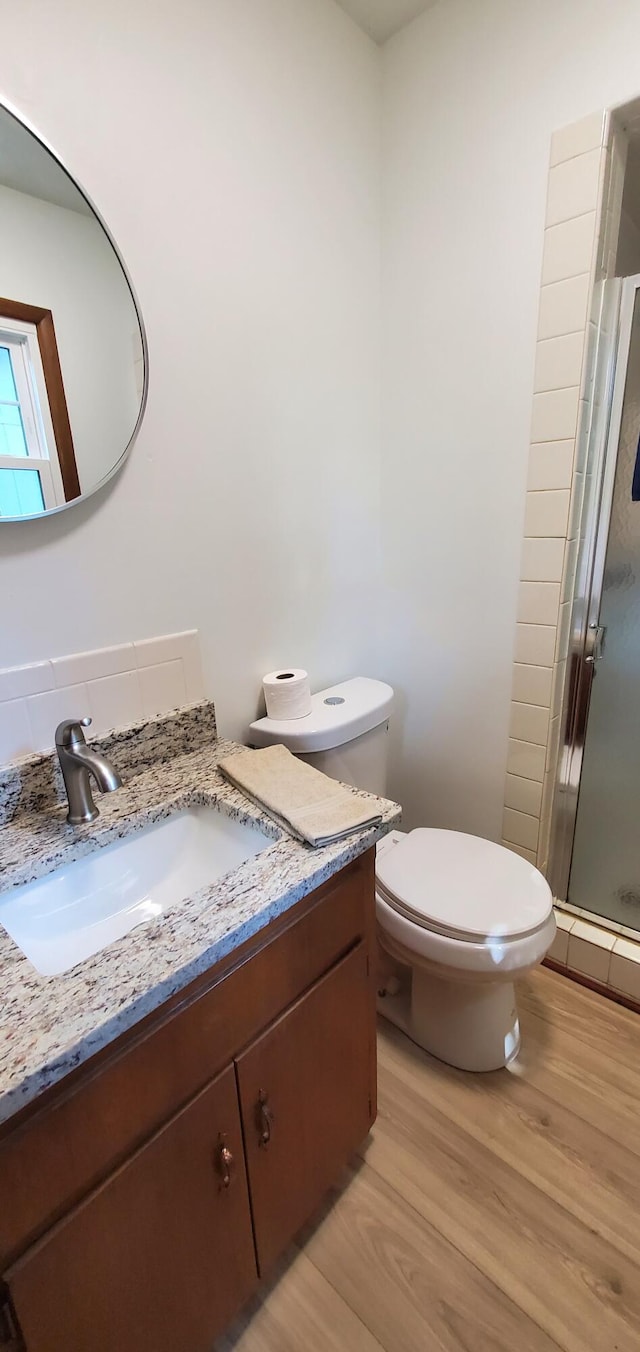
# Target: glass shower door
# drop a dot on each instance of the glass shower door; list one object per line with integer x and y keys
{"x": 605, "y": 867}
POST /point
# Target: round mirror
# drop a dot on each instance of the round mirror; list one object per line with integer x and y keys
{"x": 73, "y": 356}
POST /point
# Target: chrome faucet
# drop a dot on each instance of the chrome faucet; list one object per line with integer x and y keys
{"x": 78, "y": 763}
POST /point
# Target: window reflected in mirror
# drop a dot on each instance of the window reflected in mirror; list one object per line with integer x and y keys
{"x": 38, "y": 470}
{"x": 72, "y": 352}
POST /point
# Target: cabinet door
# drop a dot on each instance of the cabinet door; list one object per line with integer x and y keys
{"x": 160, "y": 1257}
{"x": 306, "y": 1093}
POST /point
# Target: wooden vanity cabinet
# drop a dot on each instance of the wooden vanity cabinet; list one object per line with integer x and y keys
{"x": 160, "y": 1256}
{"x": 163, "y": 1251}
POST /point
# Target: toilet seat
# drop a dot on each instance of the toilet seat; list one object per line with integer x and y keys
{"x": 462, "y": 887}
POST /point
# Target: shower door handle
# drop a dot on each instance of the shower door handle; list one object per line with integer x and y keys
{"x": 594, "y": 643}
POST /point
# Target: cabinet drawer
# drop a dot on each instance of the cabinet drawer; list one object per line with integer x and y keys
{"x": 49, "y": 1163}
{"x": 160, "y": 1257}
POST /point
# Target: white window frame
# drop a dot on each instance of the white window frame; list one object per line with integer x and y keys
{"x": 26, "y": 362}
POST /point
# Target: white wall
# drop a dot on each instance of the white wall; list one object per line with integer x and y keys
{"x": 62, "y": 261}
{"x": 233, "y": 147}
{"x": 472, "y": 93}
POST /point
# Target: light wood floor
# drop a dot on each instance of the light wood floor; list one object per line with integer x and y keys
{"x": 488, "y": 1213}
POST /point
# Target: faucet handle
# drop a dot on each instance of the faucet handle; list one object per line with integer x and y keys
{"x": 69, "y": 732}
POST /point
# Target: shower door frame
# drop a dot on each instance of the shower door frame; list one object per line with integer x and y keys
{"x": 583, "y": 655}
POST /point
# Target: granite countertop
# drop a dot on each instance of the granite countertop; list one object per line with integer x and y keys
{"x": 50, "y": 1025}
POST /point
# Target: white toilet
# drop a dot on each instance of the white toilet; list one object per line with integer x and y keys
{"x": 459, "y": 918}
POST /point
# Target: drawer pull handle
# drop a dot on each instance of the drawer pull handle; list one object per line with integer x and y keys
{"x": 264, "y": 1118}
{"x": 225, "y": 1161}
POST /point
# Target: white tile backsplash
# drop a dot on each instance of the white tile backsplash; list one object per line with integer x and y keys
{"x": 46, "y": 711}
{"x": 18, "y": 682}
{"x": 169, "y": 648}
{"x": 91, "y": 666}
{"x": 15, "y": 728}
{"x": 162, "y": 687}
{"x": 114, "y": 686}
{"x": 150, "y": 651}
{"x": 114, "y": 701}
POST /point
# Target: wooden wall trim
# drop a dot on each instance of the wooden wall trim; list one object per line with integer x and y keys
{"x": 43, "y": 320}
{"x": 597, "y": 986}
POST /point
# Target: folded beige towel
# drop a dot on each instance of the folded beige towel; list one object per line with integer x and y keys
{"x": 303, "y": 800}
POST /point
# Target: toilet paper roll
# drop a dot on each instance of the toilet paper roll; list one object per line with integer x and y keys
{"x": 287, "y": 693}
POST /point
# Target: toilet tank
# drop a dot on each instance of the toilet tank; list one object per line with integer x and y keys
{"x": 345, "y": 735}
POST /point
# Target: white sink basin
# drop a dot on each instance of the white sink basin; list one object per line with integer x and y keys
{"x": 76, "y": 911}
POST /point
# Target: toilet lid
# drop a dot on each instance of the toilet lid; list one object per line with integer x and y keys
{"x": 463, "y": 886}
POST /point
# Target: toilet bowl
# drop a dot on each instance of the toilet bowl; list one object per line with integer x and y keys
{"x": 465, "y": 919}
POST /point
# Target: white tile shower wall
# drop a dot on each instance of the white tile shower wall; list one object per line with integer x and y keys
{"x": 113, "y": 686}
{"x": 605, "y": 956}
{"x": 579, "y": 189}
{"x": 608, "y": 211}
